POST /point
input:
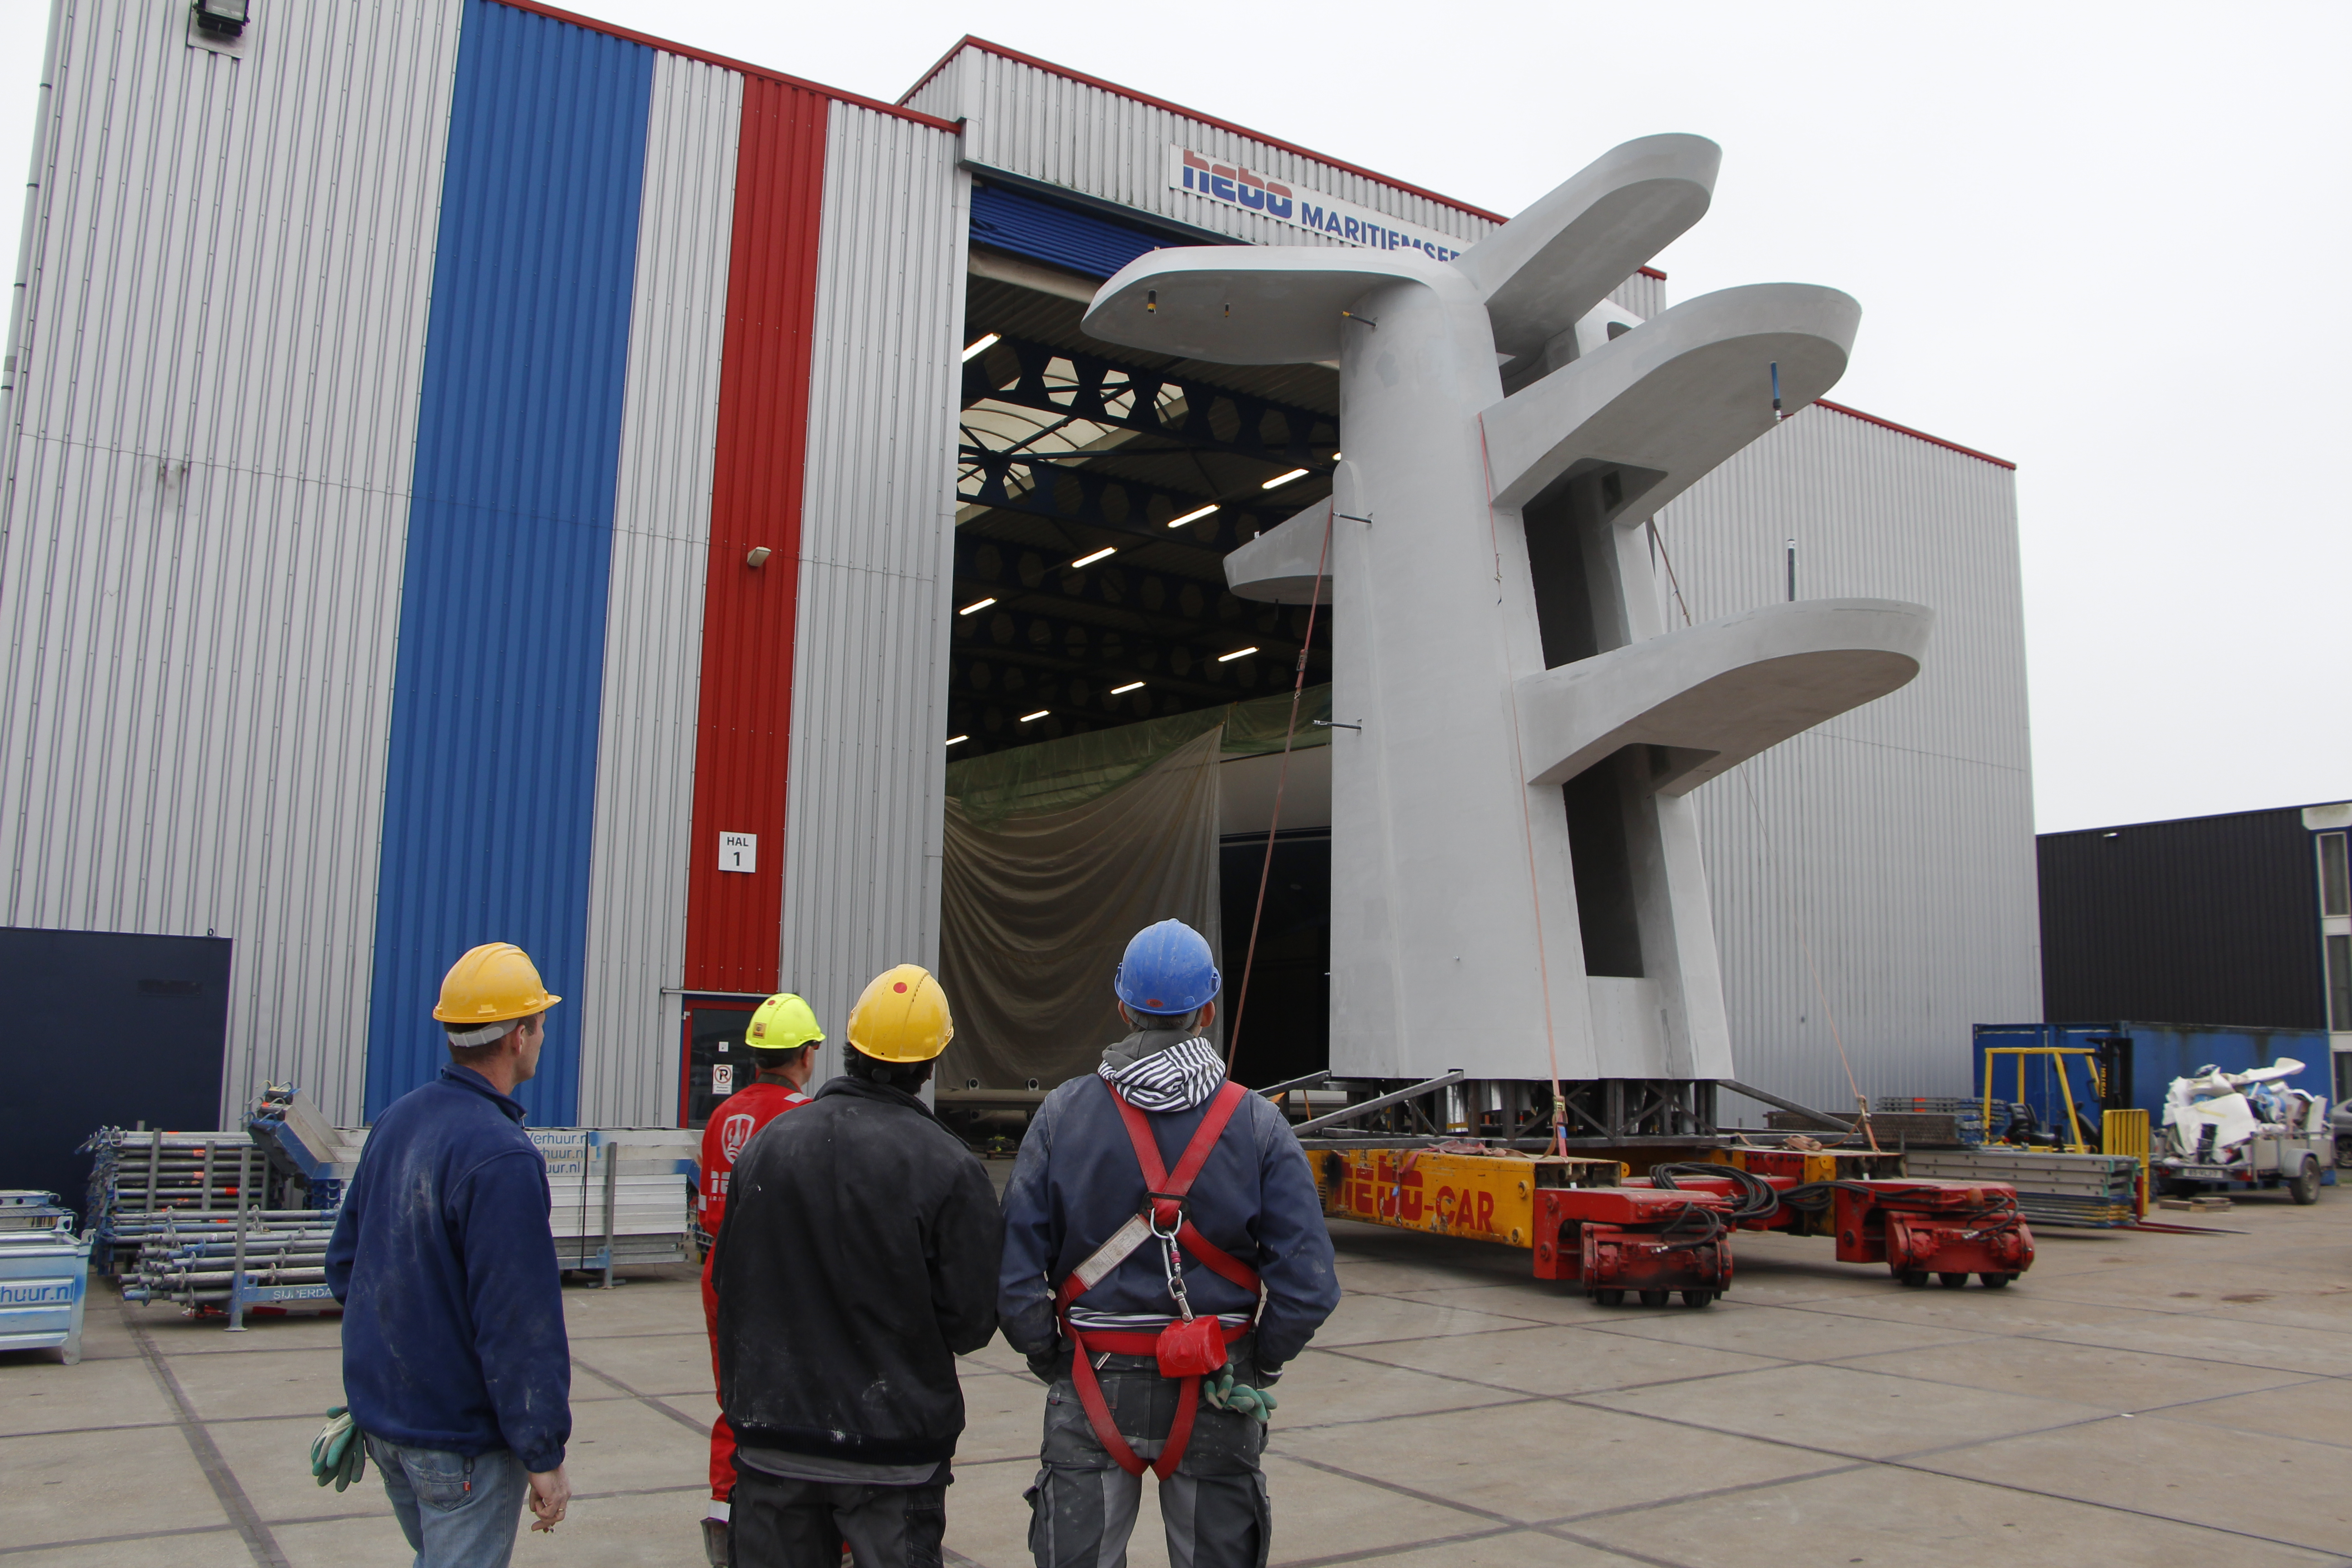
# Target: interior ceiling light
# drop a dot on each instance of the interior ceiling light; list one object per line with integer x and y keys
{"x": 1039, "y": 714}
{"x": 974, "y": 351}
{"x": 1091, "y": 559}
{"x": 1335, "y": 456}
{"x": 1123, "y": 691}
{"x": 1279, "y": 480}
{"x": 975, "y": 605}
{"x": 1192, "y": 516}
{"x": 1237, "y": 653}
{"x": 957, "y": 739}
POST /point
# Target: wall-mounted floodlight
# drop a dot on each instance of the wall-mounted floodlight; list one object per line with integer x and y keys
{"x": 1123, "y": 691}
{"x": 974, "y": 351}
{"x": 759, "y": 555}
{"x": 226, "y": 19}
{"x": 1039, "y": 714}
{"x": 1279, "y": 480}
{"x": 975, "y": 607}
{"x": 1237, "y": 653}
{"x": 1097, "y": 555}
{"x": 1192, "y": 516}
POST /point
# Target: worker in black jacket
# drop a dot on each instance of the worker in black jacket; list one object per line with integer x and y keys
{"x": 858, "y": 1258}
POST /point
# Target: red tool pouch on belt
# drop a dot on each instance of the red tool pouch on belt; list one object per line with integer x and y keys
{"x": 1192, "y": 1350}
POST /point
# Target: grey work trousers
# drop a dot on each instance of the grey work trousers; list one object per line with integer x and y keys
{"x": 1083, "y": 1508}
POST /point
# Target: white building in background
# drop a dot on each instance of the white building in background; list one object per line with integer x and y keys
{"x": 1894, "y": 842}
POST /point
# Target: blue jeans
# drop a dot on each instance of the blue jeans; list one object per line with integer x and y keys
{"x": 457, "y": 1512}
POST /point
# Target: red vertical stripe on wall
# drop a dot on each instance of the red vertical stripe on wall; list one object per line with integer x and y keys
{"x": 733, "y": 920}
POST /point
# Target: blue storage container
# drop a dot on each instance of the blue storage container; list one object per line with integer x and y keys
{"x": 2154, "y": 1055}
{"x": 44, "y": 1275}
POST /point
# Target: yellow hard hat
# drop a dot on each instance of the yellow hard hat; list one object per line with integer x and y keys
{"x": 490, "y": 984}
{"x": 902, "y": 1016}
{"x": 783, "y": 1022}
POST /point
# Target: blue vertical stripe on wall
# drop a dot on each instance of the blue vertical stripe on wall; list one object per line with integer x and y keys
{"x": 489, "y": 793}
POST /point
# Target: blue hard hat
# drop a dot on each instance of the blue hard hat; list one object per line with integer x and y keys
{"x": 1167, "y": 969}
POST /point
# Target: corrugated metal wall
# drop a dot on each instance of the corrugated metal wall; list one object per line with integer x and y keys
{"x": 216, "y": 404}
{"x": 2209, "y": 919}
{"x": 653, "y": 635}
{"x": 869, "y": 689}
{"x": 1897, "y": 841}
{"x": 1048, "y": 127}
{"x": 490, "y": 797}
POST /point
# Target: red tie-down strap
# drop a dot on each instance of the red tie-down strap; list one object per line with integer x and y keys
{"x": 1163, "y": 1203}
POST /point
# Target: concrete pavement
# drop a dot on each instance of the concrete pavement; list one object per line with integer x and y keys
{"x": 2155, "y": 1400}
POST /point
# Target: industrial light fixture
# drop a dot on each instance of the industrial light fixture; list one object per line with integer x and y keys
{"x": 1335, "y": 456}
{"x": 1279, "y": 480}
{"x": 1193, "y": 516}
{"x": 759, "y": 556}
{"x": 1090, "y": 560}
{"x": 957, "y": 739}
{"x": 225, "y": 18}
{"x": 1039, "y": 714}
{"x": 1237, "y": 653}
{"x": 1123, "y": 691}
{"x": 974, "y": 351}
{"x": 976, "y": 605}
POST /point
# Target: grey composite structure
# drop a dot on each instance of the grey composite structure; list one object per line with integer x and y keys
{"x": 1895, "y": 843}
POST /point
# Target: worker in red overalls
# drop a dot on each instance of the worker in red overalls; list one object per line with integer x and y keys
{"x": 783, "y": 1035}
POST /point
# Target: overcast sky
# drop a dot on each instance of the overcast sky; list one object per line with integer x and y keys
{"x": 2107, "y": 242}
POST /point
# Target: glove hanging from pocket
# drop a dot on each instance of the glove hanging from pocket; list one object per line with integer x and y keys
{"x": 339, "y": 1453}
{"x": 1222, "y": 1392}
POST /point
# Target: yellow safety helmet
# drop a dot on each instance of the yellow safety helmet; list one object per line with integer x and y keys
{"x": 783, "y": 1022}
{"x": 492, "y": 983}
{"x": 902, "y": 1016}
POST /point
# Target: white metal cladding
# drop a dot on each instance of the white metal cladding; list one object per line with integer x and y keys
{"x": 864, "y": 814}
{"x": 1644, "y": 295}
{"x": 652, "y": 629}
{"x": 1044, "y": 126}
{"x": 204, "y": 499}
{"x": 1897, "y": 839}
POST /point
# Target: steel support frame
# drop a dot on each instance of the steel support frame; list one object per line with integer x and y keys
{"x": 1128, "y": 397}
{"x": 1601, "y": 1113}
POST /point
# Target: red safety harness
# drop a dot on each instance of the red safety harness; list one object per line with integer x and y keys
{"x": 1189, "y": 1350}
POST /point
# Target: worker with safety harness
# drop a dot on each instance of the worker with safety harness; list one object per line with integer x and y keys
{"x": 1165, "y": 1257}
{"x": 857, "y": 1260}
{"x": 782, "y": 1038}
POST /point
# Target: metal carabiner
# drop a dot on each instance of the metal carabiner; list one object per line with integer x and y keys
{"x": 1171, "y": 1266}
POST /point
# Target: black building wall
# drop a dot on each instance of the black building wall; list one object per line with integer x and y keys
{"x": 2207, "y": 920}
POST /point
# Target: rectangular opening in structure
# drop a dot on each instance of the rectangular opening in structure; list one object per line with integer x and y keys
{"x": 2339, "y": 982}
{"x": 2335, "y": 884}
{"x": 1605, "y": 910}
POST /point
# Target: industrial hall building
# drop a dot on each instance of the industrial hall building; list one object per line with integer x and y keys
{"x": 469, "y": 472}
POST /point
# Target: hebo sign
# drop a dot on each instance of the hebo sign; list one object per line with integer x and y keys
{"x": 1343, "y": 221}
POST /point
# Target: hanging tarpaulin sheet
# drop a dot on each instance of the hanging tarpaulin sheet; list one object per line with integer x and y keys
{"x": 1054, "y": 775}
{"x": 1035, "y": 906}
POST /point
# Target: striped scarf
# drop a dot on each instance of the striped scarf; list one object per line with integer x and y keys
{"x": 1172, "y": 1077}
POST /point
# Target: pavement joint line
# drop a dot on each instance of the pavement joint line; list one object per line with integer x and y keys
{"x": 1706, "y": 1496}
{"x": 1498, "y": 1404}
{"x": 1525, "y": 1394}
{"x": 2110, "y": 1507}
{"x": 1626, "y": 1551}
{"x": 222, "y": 1479}
{"x": 1417, "y": 1495}
{"x": 701, "y": 1428}
{"x": 115, "y": 1540}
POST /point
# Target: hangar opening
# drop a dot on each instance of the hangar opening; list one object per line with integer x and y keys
{"x": 1094, "y": 641}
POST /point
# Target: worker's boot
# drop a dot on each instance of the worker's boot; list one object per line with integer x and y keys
{"x": 714, "y": 1542}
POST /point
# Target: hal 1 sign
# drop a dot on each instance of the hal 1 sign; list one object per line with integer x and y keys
{"x": 739, "y": 851}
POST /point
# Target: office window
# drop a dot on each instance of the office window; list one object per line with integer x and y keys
{"x": 2339, "y": 982}
{"x": 2335, "y": 884}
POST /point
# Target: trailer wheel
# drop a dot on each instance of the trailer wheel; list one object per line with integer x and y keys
{"x": 1995, "y": 1281}
{"x": 2304, "y": 1188}
{"x": 1698, "y": 1297}
{"x": 1656, "y": 1298}
{"x": 1912, "y": 1278}
{"x": 1610, "y": 1297}
{"x": 1951, "y": 1281}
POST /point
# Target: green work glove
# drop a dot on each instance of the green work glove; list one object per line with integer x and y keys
{"x": 1223, "y": 1393}
{"x": 339, "y": 1453}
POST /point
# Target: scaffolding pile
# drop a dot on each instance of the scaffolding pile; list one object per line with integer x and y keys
{"x": 138, "y": 1177}
{"x": 195, "y": 1260}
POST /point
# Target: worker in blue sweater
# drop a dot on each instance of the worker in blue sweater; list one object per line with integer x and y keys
{"x": 454, "y": 1361}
